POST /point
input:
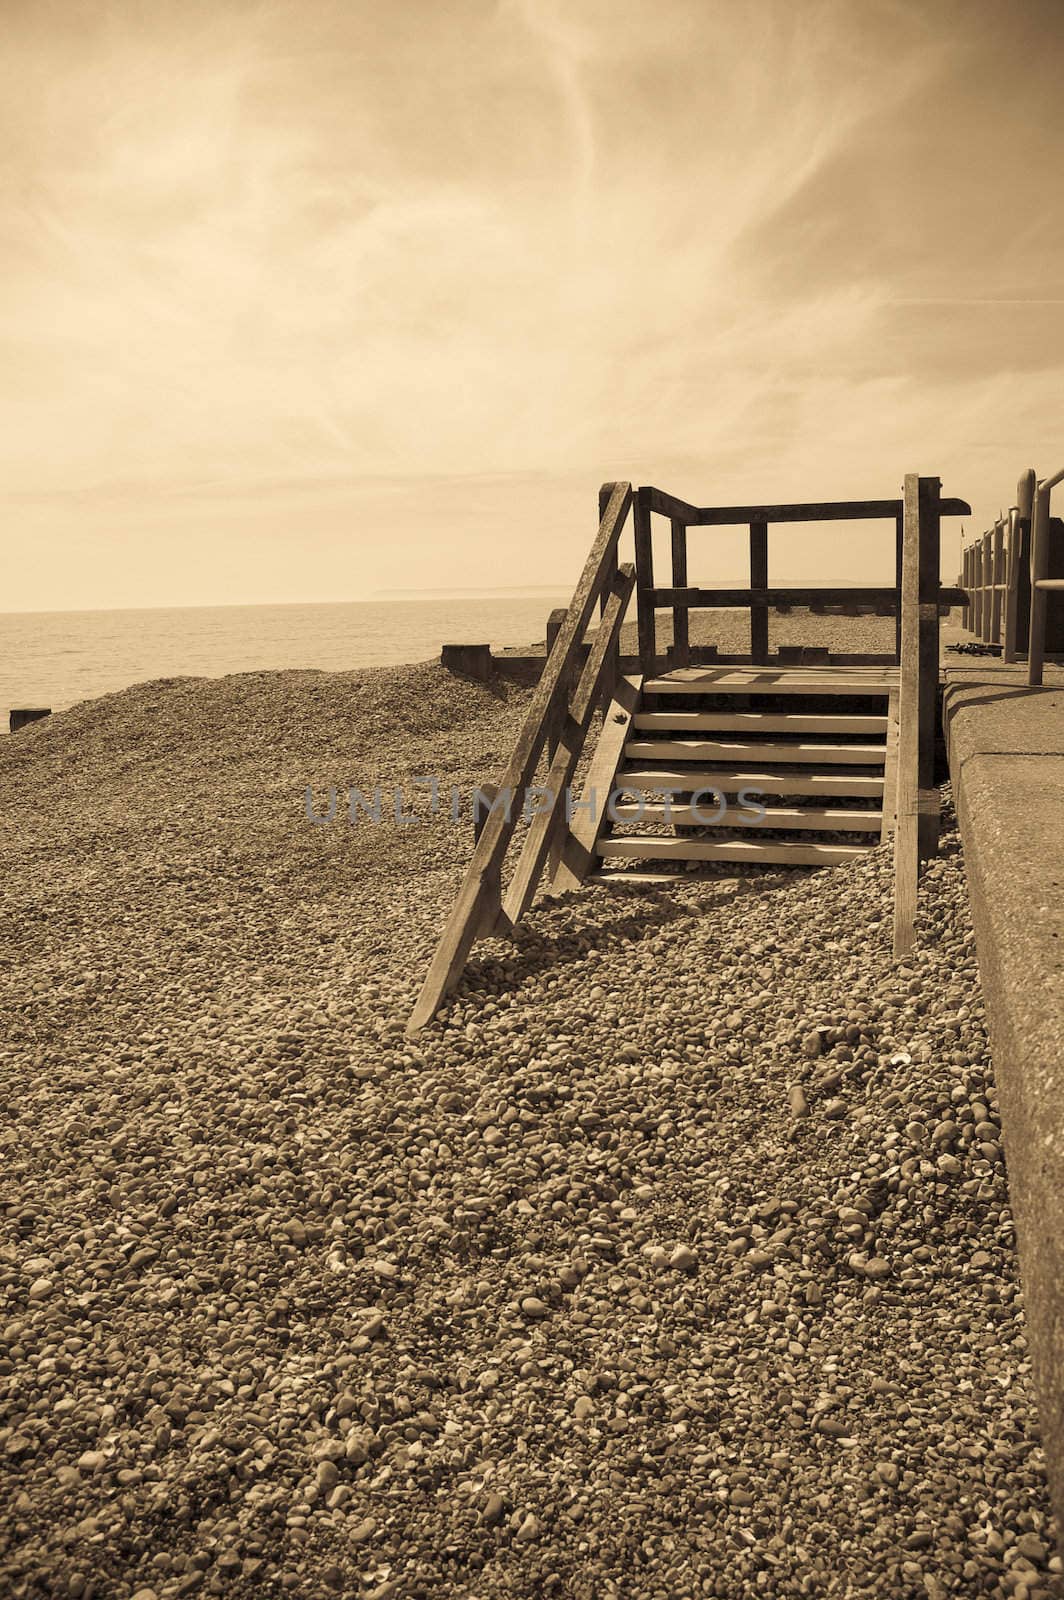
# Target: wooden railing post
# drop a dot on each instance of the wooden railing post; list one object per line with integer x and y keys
{"x": 898, "y": 548}
{"x": 644, "y": 569}
{"x": 988, "y": 592}
{"x": 1036, "y": 643}
{"x": 997, "y": 571}
{"x": 759, "y": 580}
{"x": 916, "y": 828}
{"x": 681, "y": 635}
{"x": 1008, "y": 652}
{"x": 1024, "y": 508}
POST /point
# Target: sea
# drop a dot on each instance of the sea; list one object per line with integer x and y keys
{"x": 58, "y": 658}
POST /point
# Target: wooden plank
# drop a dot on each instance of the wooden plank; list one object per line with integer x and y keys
{"x": 777, "y": 851}
{"x": 890, "y": 771}
{"x": 875, "y": 683}
{"x": 826, "y": 819}
{"x": 864, "y": 755}
{"x": 548, "y": 825}
{"x": 576, "y": 854}
{"x": 685, "y": 780}
{"x": 758, "y": 722}
{"x": 758, "y": 585}
{"x": 644, "y": 577}
{"x": 479, "y": 890}
{"x": 906, "y": 836}
{"x": 669, "y": 505}
{"x": 681, "y": 643}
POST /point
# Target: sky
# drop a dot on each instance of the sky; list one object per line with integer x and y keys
{"x": 309, "y": 299}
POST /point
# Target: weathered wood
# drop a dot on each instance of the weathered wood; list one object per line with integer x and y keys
{"x": 669, "y": 505}
{"x": 548, "y": 825}
{"x": 1025, "y": 490}
{"x": 644, "y": 577}
{"x": 832, "y": 755}
{"x": 758, "y": 586}
{"x": 890, "y": 771}
{"x": 998, "y": 570}
{"x": 906, "y": 832}
{"x": 1008, "y": 651}
{"x": 777, "y": 852}
{"x": 988, "y": 593}
{"x": 681, "y": 645}
{"x": 685, "y": 780}
{"x": 930, "y": 556}
{"x": 796, "y": 817}
{"x": 760, "y": 722}
{"x": 739, "y": 679}
{"x": 478, "y": 887}
{"x": 694, "y": 599}
{"x": 578, "y": 843}
{"x": 898, "y": 547}
{"x": 1036, "y": 642}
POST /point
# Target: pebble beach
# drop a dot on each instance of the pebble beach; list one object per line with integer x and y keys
{"x": 673, "y": 1259}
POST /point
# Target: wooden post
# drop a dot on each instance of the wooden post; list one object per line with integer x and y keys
{"x": 1011, "y": 563}
{"x": 898, "y": 546}
{"x": 759, "y": 580}
{"x": 930, "y": 559}
{"x": 916, "y": 829}
{"x": 1036, "y": 643}
{"x": 907, "y": 802}
{"x": 967, "y": 583}
{"x": 681, "y": 637}
{"x": 997, "y": 572}
{"x": 644, "y": 568}
{"x": 1025, "y": 489}
{"x": 988, "y": 593}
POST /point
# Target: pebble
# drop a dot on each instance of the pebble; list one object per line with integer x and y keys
{"x": 311, "y": 1331}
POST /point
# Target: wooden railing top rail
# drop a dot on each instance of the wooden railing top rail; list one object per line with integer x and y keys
{"x": 693, "y": 599}
{"x": 668, "y": 505}
{"x": 478, "y": 904}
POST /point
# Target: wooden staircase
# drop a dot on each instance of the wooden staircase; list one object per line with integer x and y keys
{"x": 758, "y": 751}
{"x": 857, "y": 734}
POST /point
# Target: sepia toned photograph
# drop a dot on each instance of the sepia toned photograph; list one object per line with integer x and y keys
{"x": 532, "y": 799}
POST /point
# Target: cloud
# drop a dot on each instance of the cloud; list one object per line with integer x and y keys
{"x": 261, "y": 258}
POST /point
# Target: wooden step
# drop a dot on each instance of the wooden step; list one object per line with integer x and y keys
{"x": 732, "y": 780}
{"x": 757, "y": 722}
{"x": 830, "y": 820}
{"x": 778, "y": 852}
{"x": 775, "y": 680}
{"x": 831, "y": 755}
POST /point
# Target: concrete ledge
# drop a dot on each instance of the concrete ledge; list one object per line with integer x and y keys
{"x": 1006, "y": 756}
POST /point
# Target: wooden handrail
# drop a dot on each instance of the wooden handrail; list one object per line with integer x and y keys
{"x": 668, "y": 505}
{"x": 478, "y": 905}
{"x": 690, "y": 599}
